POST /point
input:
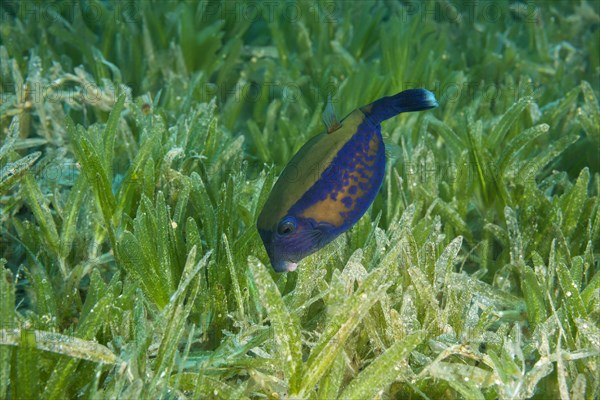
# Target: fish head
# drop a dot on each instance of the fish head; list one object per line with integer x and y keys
{"x": 291, "y": 239}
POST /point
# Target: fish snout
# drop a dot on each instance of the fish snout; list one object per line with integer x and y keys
{"x": 284, "y": 265}
{"x": 276, "y": 256}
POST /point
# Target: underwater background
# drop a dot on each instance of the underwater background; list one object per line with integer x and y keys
{"x": 139, "y": 141}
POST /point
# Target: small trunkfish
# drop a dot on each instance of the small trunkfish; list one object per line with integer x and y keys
{"x": 331, "y": 181}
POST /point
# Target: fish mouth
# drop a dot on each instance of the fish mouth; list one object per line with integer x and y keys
{"x": 284, "y": 266}
{"x": 291, "y": 266}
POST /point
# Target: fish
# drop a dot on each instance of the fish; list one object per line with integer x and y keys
{"x": 331, "y": 181}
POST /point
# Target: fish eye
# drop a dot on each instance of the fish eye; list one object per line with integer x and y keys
{"x": 286, "y": 226}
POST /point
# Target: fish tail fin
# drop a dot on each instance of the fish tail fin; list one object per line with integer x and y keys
{"x": 406, "y": 101}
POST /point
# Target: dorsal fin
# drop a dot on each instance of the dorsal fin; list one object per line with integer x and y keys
{"x": 329, "y": 117}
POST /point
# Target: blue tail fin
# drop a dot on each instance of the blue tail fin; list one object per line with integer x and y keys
{"x": 406, "y": 101}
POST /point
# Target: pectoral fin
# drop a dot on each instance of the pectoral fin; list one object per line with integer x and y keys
{"x": 329, "y": 117}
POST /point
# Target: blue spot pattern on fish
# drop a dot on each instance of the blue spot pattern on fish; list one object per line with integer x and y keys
{"x": 352, "y": 181}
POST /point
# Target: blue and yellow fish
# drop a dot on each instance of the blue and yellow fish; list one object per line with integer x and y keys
{"x": 331, "y": 181}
